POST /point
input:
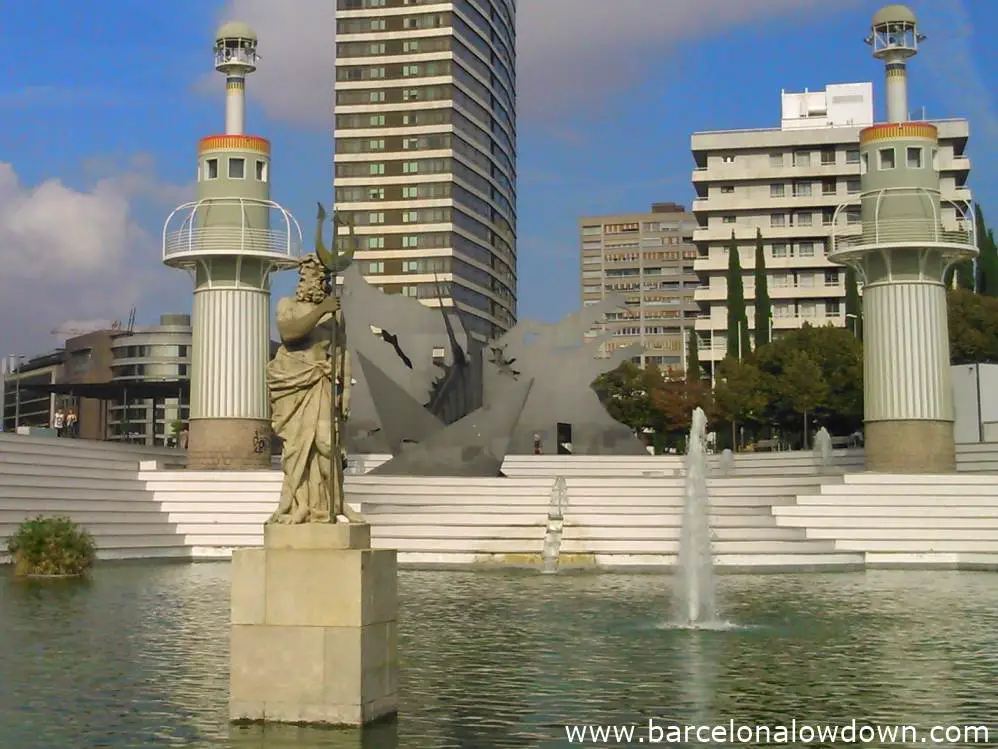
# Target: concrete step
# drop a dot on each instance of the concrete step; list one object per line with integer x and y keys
{"x": 933, "y": 514}
{"x": 65, "y": 483}
{"x": 966, "y": 545}
{"x": 899, "y": 500}
{"x": 88, "y": 515}
{"x": 219, "y": 509}
{"x": 147, "y": 552}
{"x": 906, "y": 534}
{"x": 38, "y": 460}
{"x": 405, "y": 533}
{"x": 575, "y": 503}
{"x": 668, "y": 546}
{"x": 103, "y": 531}
{"x": 673, "y": 533}
{"x": 220, "y": 499}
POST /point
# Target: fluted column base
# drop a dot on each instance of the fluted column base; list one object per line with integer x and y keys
{"x": 915, "y": 446}
{"x": 229, "y": 444}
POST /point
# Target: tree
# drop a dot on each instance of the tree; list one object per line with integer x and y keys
{"x": 741, "y": 394}
{"x": 987, "y": 259}
{"x": 803, "y": 385}
{"x": 973, "y": 327}
{"x": 693, "y": 371}
{"x": 839, "y": 355}
{"x": 675, "y": 400}
{"x": 626, "y": 394}
{"x": 763, "y": 306}
{"x": 854, "y": 305}
{"x": 738, "y": 334}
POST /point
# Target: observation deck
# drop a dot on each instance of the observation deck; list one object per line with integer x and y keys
{"x": 234, "y": 227}
{"x": 903, "y": 218}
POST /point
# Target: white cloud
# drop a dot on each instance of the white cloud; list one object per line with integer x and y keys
{"x": 71, "y": 253}
{"x": 571, "y": 53}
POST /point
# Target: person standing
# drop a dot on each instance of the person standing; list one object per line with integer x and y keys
{"x": 59, "y": 422}
{"x": 72, "y": 423}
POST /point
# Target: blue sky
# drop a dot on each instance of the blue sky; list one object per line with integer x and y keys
{"x": 100, "y": 113}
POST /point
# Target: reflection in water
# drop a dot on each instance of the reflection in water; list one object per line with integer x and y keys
{"x": 495, "y": 660}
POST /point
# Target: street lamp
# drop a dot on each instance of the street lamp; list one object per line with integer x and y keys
{"x": 855, "y": 319}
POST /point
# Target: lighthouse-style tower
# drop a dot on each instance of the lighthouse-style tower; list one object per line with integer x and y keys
{"x": 907, "y": 239}
{"x": 230, "y": 240}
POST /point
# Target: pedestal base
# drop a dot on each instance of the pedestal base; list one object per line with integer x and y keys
{"x": 229, "y": 444}
{"x": 914, "y": 446}
{"x": 314, "y": 628}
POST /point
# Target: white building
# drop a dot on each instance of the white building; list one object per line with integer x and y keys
{"x": 787, "y": 182}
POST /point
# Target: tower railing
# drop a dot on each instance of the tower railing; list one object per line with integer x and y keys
{"x": 956, "y": 232}
{"x": 231, "y": 226}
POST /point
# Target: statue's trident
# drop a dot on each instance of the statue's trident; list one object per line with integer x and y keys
{"x": 335, "y": 262}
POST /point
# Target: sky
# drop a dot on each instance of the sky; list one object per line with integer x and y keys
{"x": 100, "y": 114}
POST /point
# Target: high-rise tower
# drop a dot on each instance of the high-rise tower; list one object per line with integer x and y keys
{"x": 425, "y": 145}
{"x": 230, "y": 240}
{"x": 908, "y": 237}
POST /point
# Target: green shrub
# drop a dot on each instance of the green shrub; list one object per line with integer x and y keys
{"x": 51, "y": 546}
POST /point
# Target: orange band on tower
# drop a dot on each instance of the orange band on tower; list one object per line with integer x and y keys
{"x": 235, "y": 143}
{"x": 899, "y": 130}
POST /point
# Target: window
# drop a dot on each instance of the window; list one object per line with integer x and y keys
{"x": 853, "y": 215}
{"x": 935, "y": 159}
{"x": 375, "y": 218}
{"x": 827, "y": 156}
{"x": 410, "y": 70}
{"x": 375, "y": 193}
{"x": 778, "y": 220}
{"x": 804, "y": 219}
{"x": 781, "y": 280}
{"x": 376, "y": 169}
{"x": 211, "y": 169}
{"x": 886, "y": 158}
{"x": 375, "y": 243}
{"x": 802, "y": 158}
{"x": 783, "y": 310}
{"x": 915, "y": 158}
{"x": 865, "y": 165}
{"x": 410, "y": 192}
{"x": 829, "y": 187}
{"x": 410, "y": 217}
{"x": 410, "y": 167}
{"x": 852, "y": 156}
{"x": 376, "y": 97}
{"x": 808, "y": 309}
{"x": 776, "y": 160}
{"x": 802, "y": 190}
{"x": 827, "y": 216}
{"x": 261, "y": 171}
{"x": 779, "y": 249}
{"x": 376, "y": 120}
{"x": 832, "y": 277}
{"x": 805, "y": 280}
{"x": 727, "y": 159}
{"x": 376, "y": 145}
{"x": 805, "y": 249}
{"x": 853, "y": 185}
{"x": 410, "y": 266}
{"x": 777, "y": 191}
{"x": 410, "y": 241}
{"x": 728, "y": 219}
{"x": 412, "y": 291}
{"x": 727, "y": 189}
{"x": 376, "y": 267}
{"x": 833, "y": 308}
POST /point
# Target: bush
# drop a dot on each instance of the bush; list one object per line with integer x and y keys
{"x": 51, "y": 546}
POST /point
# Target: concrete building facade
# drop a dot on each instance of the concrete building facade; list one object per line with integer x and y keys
{"x": 125, "y": 385}
{"x": 425, "y": 151}
{"x": 788, "y": 183}
{"x": 648, "y": 258}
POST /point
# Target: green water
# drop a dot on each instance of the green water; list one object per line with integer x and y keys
{"x": 137, "y": 657}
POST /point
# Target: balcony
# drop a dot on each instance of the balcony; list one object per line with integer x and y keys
{"x": 231, "y": 227}
{"x": 953, "y": 239}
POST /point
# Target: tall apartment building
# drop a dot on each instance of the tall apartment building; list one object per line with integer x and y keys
{"x": 425, "y": 150}
{"x": 787, "y": 182}
{"x": 647, "y": 258}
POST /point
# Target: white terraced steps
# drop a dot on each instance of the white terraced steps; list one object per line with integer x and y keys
{"x": 95, "y": 483}
{"x": 903, "y": 520}
{"x": 746, "y": 464}
{"x": 775, "y": 510}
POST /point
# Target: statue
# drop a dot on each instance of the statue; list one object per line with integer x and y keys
{"x": 306, "y": 414}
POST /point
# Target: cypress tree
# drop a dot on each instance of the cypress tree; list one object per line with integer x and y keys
{"x": 738, "y": 332}
{"x": 763, "y": 306}
{"x": 693, "y": 371}
{"x": 987, "y": 260}
{"x": 854, "y": 305}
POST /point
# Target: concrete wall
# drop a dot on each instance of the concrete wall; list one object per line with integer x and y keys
{"x": 975, "y": 391}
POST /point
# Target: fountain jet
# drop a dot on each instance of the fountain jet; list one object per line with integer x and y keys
{"x": 695, "y": 578}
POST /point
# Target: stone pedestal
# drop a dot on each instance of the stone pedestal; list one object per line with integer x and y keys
{"x": 229, "y": 445}
{"x": 314, "y": 628}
